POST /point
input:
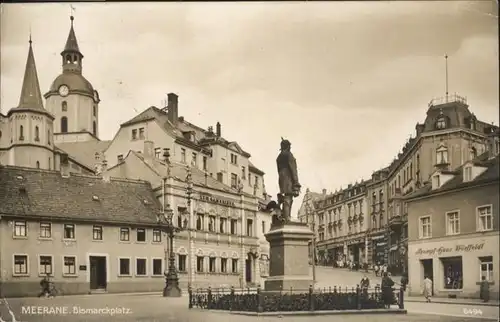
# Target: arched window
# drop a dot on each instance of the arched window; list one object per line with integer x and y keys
{"x": 64, "y": 106}
{"x": 94, "y": 128}
{"x": 68, "y": 59}
{"x": 442, "y": 155}
{"x": 48, "y": 137}
{"x": 473, "y": 153}
{"x": 64, "y": 124}
{"x": 21, "y": 133}
{"x": 95, "y": 110}
{"x": 50, "y": 161}
{"x": 38, "y": 164}
{"x": 37, "y": 134}
{"x": 441, "y": 123}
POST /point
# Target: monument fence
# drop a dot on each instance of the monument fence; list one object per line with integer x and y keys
{"x": 327, "y": 299}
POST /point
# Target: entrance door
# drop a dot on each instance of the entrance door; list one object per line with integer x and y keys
{"x": 355, "y": 251}
{"x": 248, "y": 269}
{"x": 428, "y": 271}
{"x": 97, "y": 272}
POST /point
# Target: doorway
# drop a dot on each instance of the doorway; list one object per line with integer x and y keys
{"x": 248, "y": 269}
{"x": 428, "y": 270}
{"x": 98, "y": 272}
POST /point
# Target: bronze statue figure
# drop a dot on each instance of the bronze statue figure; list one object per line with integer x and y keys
{"x": 288, "y": 180}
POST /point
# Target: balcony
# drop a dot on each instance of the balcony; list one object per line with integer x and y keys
{"x": 396, "y": 221}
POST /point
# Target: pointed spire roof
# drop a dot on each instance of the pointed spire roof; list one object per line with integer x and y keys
{"x": 31, "y": 96}
{"x": 71, "y": 42}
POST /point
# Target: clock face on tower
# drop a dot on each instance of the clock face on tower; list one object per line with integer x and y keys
{"x": 63, "y": 90}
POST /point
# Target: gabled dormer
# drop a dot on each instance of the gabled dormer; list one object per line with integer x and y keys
{"x": 470, "y": 171}
{"x": 440, "y": 177}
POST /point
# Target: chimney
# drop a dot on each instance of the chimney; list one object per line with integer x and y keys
{"x": 148, "y": 149}
{"x": 217, "y": 129}
{"x": 173, "y": 108}
{"x": 64, "y": 163}
{"x": 324, "y": 192}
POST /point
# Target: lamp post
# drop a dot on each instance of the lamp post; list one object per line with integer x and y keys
{"x": 189, "y": 194}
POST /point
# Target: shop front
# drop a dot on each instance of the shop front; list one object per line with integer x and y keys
{"x": 356, "y": 251}
{"x": 336, "y": 251}
{"x": 378, "y": 245}
{"x": 456, "y": 266}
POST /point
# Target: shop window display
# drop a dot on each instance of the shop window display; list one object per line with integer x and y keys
{"x": 453, "y": 272}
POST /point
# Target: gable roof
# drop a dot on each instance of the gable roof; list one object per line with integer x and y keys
{"x": 491, "y": 174}
{"x": 45, "y": 194}
{"x": 254, "y": 169}
{"x": 84, "y": 152}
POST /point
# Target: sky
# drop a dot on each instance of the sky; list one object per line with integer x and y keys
{"x": 345, "y": 82}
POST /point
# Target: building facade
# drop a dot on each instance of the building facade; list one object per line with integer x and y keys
{"x": 97, "y": 235}
{"x": 454, "y": 230}
{"x": 377, "y": 223}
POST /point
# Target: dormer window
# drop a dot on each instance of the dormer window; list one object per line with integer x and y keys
{"x": 436, "y": 181}
{"x": 467, "y": 173}
{"x": 442, "y": 155}
{"x": 441, "y": 123}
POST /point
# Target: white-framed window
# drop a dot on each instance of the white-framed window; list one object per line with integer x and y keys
{"x": 45, "y": 230}
{"x": 467, "y": 173}
{"x": 222, "y": 225}
{"x": 69, "y": 231}
{"x": 223, "y": 265}
{"x": 183, "y": 155}
{"x": 20, "y": 265}
{"x": 441, "y": 123}
{"x": 486, "y": 268}
{"x": 157, "y": 266}
{"x": 141, "y": 265}
{"x": 125, "y": 234}
{"x": 97, "y": 232}
{"x": 484, "y": 218}
{"x": 69, "y": 265}
{"x": 20, "y": 228}
{"x": 442, "y": 155}
{"x": 453, "y": 222}
{"x": 211, "y": 264}
{"x": 234, "y": 265}
{"x": 45, "y": 265}
{"x": 156, "y": 235}
{"x": 200, "y": 263}
{"x": 425, "y": 227}
{"x": 124, "y": 266}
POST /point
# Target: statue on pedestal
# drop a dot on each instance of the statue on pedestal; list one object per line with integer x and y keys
{"x": 288, "y": 181}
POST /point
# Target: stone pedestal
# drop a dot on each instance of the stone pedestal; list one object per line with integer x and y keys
{"x": 289, "y": 257}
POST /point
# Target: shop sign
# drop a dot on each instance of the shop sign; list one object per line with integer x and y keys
{"x": 443, "y": 250}
{"x": 378, "y": 237}
{"x": 381, "y": 244}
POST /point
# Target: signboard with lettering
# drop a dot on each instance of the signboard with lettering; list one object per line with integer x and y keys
{"x": 460, "y": 248}
{"x": 219, "y": 200}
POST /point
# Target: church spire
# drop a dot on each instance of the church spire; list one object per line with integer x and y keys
{"x": 71, "y": 55}
{"x": 31, "y": 96}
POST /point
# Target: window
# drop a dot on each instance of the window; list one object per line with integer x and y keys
{"x": 20, "y": 264}
{"x": 38, "y": 164}
{"x": 64, "y": 124}
{"x": 234, "y": 265}
{"x": 467, "y": 173}
{"x": 194, "y": 158}
{"x": 124, "y": 234}
{"x": 97, "y": 233}
{"x": 124, "y": 266}
{"x": 134, "y": 134}
{"x": 486, "y": 268}
{"x": 69, "y": 231}
{"x": 222, "y": 225}
{"x": 485, "y": 218}
{"x": 473, "y": 153}
{"x": 436, "y": 181}
{"x": 223, "y": 265}
{"x": 204, "y": 163}
{"x": 37, "y": 134}
{"x": 234, "y": 180}
{"x": 442, "y": 155}
{"x": 157, "y": 153}
{"x": 48, "y": 142}
{"x": 249, "y": 227}
{"x": 45, "y": 265}
{"x": 256, "y": 181}
{"x": 199, "y": 263}
{"x": 45, "y": 230}
{"x": 183, "y": 155}
{"x": 211, "y": 223}
{"x": 199, "y": 222}
{"x": 21, "y": 133}
{"x": 69, "y": 267}
{"x": 425, "y": 227}
{"x": 140, "y": 266}
{"x": 249, "y": 179}
{"x": 157, "y": 266}
{"x": 156, "y": 236}
{"x": 141, "y": 133}
{"x": 211, "y": 264}
{"x": 263, "y": 227}
{"x": 453, "y": 273}
{"x": 234, "y": 226}
{"x": 64, "y": 106}
{"x": 441, "y": 123}
{"x": 453, "y": 223}
{"x": 94, "y": 128}
{"x": 181, "y": 262}
{"x": 243, "y": 173}
{"x": 141, "y": 234}
{"x": 374, "y": 222}
{"x": 20, "y": 229}
{"x": 119, "y": 158}
{"x": 234, "y": 159}
{"x": 220, "y": 177}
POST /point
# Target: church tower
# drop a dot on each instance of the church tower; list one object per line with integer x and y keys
{"x": 72, "y": 99}
{"x": 31, "y": 126}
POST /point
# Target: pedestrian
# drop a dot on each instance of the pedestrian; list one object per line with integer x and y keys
{"x": 45, "y": 285}
{"x": 376, "y": 269}
{"x": 484, "y": 291}
{"x": 427, "y": 291}
{"x": 387, "y": 291}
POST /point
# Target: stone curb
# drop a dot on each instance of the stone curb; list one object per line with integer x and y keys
{"x": 309, "y": 313}
{"x": 453, "y": 302}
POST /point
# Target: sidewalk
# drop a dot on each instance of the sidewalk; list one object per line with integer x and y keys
{"x": 445, "y": 300}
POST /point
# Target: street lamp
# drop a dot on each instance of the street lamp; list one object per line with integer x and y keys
{"x": 189, "y": 196}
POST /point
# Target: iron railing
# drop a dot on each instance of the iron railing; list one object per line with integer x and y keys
{"x": 450, "y": 98}
{"x": 331, "y": 299}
